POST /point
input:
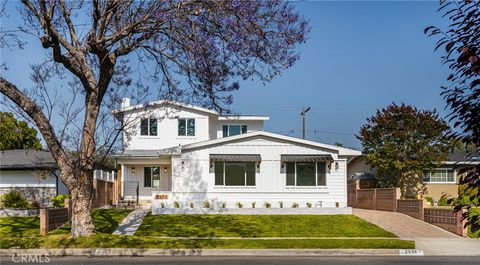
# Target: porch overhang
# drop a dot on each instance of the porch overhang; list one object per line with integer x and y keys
{"x": 235, "y": 158}
{"x": 306, "y": 158}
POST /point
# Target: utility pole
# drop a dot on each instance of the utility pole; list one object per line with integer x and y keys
{"x": 304, "y": 112}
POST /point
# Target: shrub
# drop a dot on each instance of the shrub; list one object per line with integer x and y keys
{"x": 35, "y": 204}
{"x": 294, "y": 205}
{"x": 59, "y": 200}
{"x": 253, "y": 204}
{"x": 429, "y": 200}
{"x": 239, "y": 205}
{"x": 443, "y": 201}
{"x": 206, "y": 204}
{"x": 162, "y": 204}
{"x": 309, "y": 205}
{"x": 14, "y": 199}
{"x": 176, "y": 204}
{"x": 268, "y": 205}
{"x": 281, "y": 204}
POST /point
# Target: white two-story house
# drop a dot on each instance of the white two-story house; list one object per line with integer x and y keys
{"x": 181, "y": 154}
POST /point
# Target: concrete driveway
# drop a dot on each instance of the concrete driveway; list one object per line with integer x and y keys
{"x": 430, "y": 239}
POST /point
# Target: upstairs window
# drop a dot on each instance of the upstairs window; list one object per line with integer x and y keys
{"x": 231, "y": 130}
{"x": 306, "y": 173}
{"x": 186, "y": 127}
{"x": 234, "y": 173}
{"x": 439, "y": 176}
{"x": 148, "y": 127}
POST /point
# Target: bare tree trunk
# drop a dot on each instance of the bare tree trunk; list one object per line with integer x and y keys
{"x": 82, "y": 203}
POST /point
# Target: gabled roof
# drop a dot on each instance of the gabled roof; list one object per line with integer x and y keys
{"x": 26, "y": 159}
{"x": 342, "y": 151}
{"x": 164, "y": 102}
{"x": 181, "y": 105}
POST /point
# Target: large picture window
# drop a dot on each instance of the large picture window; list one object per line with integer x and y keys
{"x": 234, "y": 173}
{"x": 231, "y": 130}
{"x": 148, "y": 127}
{"x": 439, "y": 175}
{"x": 306, "y": 173}
{"x": 151, "y": 177}
{"x": 186, "y": 127}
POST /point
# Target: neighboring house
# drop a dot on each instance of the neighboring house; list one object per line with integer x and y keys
{"x": 34, "y": 173}
{"x": 442, "y": 180}
{"x": 184, "y": 153}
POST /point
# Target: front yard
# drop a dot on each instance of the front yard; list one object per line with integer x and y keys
{"x": 243, "y": 231}
{"x": 259, "y": 226}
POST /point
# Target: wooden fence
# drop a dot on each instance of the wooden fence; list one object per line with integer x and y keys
{"x": 52, "y": 218}
{"x": 376, "y": 199}
{"x": 105, "y": 191}
{"x": 389, "y": 200}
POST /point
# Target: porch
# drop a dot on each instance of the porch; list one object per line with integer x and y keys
{"x": 142, "y": 179}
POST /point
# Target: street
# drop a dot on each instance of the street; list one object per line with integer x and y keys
{"x": 253, "y": 260}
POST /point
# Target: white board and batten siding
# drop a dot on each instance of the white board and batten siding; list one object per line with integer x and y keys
{"x": 193, "y": 180}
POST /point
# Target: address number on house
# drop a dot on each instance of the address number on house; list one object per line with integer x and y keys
{"x": 161, "y": 197}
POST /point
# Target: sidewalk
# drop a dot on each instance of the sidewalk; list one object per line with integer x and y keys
{"x": 132, "y": 222}
{"x": 110, "y": 252}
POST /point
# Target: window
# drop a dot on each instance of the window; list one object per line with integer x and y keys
{"x": 439, "y": 175}
{"x": 235, "y": 173}
{"x": 231, "y": 130}
{"x": 306, "y": 173}
{"x": 186, "y": 127}
{"x": 148, "y": 127}
{"x": 151, "y": 177}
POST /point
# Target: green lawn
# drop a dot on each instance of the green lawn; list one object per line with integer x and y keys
{"x": 259, "y": 226}
{"x": 23, "y": 232}
{"x": 19, "y": 227}
{"x": 110, "y": 241}
{"x": 104, "y": 220}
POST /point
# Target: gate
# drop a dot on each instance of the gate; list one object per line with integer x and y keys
{"x": 131, "y": 189}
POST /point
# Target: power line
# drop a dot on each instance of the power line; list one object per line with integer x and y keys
{"x": 316, "y": 131}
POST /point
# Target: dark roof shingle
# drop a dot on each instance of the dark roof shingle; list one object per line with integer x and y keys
{"x": 26, "y": 159}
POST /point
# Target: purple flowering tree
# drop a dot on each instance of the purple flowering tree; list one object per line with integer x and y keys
{"x": 194, "y": 51}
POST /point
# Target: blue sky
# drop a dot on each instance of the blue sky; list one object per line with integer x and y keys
{"x": 360, "y": 56}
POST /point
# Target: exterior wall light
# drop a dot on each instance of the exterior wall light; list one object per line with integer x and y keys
{"x": 336, "y": 166}
{"x": 133, "y": 170}
{"x": 165, "y": 170}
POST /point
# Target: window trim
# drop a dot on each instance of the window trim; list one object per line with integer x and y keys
{"x": 235, "y": 124}
{"x": 186, "y": 127}
{"x": 151, "y": 177}
{"x": 245, "y": 175}
{"x": 316, "y": 176}
{"x": 149, "y": 119}
{"x": 441, "y": 182}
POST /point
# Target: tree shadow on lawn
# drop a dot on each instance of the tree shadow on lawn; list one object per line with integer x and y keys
{"x": 20, "y": 226}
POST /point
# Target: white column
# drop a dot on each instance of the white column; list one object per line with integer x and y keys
{"x": 122, "y": 178}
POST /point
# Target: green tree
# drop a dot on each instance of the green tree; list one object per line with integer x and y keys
{"x": 190, "y": 51}
{"x": 461, "y": 41}
{"x": 401, "y": 142}
{"x": 15, "y": 134}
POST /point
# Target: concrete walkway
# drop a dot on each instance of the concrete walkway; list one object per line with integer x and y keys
{"x": 132, "y": 222}
{"x": 430, "y": 239}
{"x": 403, "y": 225}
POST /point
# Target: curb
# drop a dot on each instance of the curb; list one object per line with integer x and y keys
{"x": 135, "y": 252}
